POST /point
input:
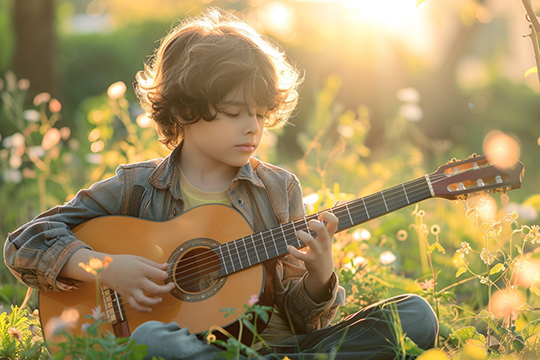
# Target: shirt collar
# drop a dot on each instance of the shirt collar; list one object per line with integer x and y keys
{"x": 166, "y": 174}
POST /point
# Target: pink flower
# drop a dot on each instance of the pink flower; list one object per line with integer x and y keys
{"x": 427, "y": 284}
{"x": 253, "y": 299}
{"x": 96, "y": 313}
{"x": 84, "y": 327}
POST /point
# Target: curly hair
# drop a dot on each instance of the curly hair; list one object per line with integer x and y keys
{"x": 201, "y": 61}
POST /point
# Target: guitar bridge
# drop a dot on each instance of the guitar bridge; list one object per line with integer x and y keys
{"x": 114, "y": 309}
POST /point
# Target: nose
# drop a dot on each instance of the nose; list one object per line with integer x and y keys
{"x": 252, "y": 124}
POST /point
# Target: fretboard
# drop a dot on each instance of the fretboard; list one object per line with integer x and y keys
{"x": 254, "y": 249}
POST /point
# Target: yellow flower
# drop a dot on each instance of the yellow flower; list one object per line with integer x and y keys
{"x": 95, "y": 266}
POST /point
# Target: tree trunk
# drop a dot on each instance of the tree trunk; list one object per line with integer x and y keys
{"x": 35, "y": 44}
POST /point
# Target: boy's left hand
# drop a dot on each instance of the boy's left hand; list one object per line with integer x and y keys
{"x": 318, "y": 256}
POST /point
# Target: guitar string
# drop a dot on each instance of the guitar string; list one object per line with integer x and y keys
{"x": 282, "y": 239}
{"x": 342, "y": 210}
{"x": 411, "y": 193}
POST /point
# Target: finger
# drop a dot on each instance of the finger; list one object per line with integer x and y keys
{"x": 296, "y": 253}
{"x": 145, "y": 301}
{"x": 305, "y": 237}
{"x": 155, "y": 289}
{"x": 153, "y": 263}
{"x": 135, "y": 305}
{"x": 154, "y": 273}
{"x": 331, "y": 220}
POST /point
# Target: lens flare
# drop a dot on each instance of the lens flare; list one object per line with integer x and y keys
{"x": 501, "y": 149}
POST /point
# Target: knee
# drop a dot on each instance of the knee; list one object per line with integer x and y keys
{"x": 159, "y": 337}
{"x": 420, "y": 324}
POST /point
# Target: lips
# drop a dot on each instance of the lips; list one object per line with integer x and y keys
{"x": 248, "y": 147}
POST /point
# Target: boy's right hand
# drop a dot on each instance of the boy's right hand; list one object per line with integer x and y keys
{"x": 131, "y": 276}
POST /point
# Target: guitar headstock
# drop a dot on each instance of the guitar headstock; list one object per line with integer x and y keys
{"x": 474, "y": 175}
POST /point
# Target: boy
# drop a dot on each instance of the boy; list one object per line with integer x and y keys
{"x": 212, "y": 87}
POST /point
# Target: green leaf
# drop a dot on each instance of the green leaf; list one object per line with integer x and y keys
{"x": 518, "y": 345}
{"x": 460, "y": 271}
{"x": 530, "y": 329}
{"x": 411, "y": 348}
{"x": 497, "y": 268}
{"x": 466, "y": 333}
{"x": 535, "y": 290}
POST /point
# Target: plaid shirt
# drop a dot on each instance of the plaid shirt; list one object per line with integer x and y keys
{"x": 265, "y": 195}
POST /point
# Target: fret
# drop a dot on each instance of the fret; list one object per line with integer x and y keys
{"x": 234, "y": 257}
{"x": 239, "y": 256}
{"x": 246, "y": 250}
{"x": 284, "y": 236}
{"x": 376, "y": 208}
{"x": 256, "y": 249}
{"x": 395, "y": 198}
{"x": 264, "y": 246}
{"x": 296, "y": 237}
{"x": 274, "y": 241}
{"x": 349, "y": 213}
{"x": 223, "y": 260}
{"x": 384, "y": 200}
{"x": 230, "y": 257}
{"x": 251, "y": 250}
{"x": 365, "y": 207}
{"x": 405, "y": 192}
{"x": 417, "y": 190}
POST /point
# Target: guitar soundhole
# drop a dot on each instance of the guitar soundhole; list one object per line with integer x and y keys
{"x": 194, "y": 268}
{"x": 197, "y": 270}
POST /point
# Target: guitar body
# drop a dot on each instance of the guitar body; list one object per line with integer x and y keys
{"x": 195, "y": 305}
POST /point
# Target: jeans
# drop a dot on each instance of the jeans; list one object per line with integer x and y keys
{"x": 368, "y": 334}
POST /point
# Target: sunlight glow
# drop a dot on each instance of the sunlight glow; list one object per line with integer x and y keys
{"x": 278, "y": 17}
{"x": 391, "y": 13}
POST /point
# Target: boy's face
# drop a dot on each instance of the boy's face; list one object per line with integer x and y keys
{"x": 232, "y": 137}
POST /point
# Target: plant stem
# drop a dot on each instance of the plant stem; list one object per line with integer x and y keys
{"x": 535, "y": 30}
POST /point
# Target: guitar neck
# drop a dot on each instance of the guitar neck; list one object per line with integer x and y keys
{"x": 256, "y": 248}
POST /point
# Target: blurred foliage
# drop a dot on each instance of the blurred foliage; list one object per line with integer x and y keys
{"x": 348, "y": 141}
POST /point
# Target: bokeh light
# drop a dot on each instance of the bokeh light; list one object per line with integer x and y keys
{"x": 501, "y": 149}
{"x": 506, "y": 300}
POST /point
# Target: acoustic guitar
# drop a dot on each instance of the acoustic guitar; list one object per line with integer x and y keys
{"x": 215, "y": 260}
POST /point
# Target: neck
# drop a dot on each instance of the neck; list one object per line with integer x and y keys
{"x": 256, "y": 248}
{"x": 205, "y": 176}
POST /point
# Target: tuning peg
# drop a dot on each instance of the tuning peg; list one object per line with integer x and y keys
{"x": 453, "y": 160}
{"x": 473, "y": 155}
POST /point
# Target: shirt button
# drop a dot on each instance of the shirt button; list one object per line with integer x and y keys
{"x": 240, "y": 201}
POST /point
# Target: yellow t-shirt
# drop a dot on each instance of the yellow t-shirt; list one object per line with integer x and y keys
{"x": 194, "y": 197}
{"x": 277, "y": 329}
